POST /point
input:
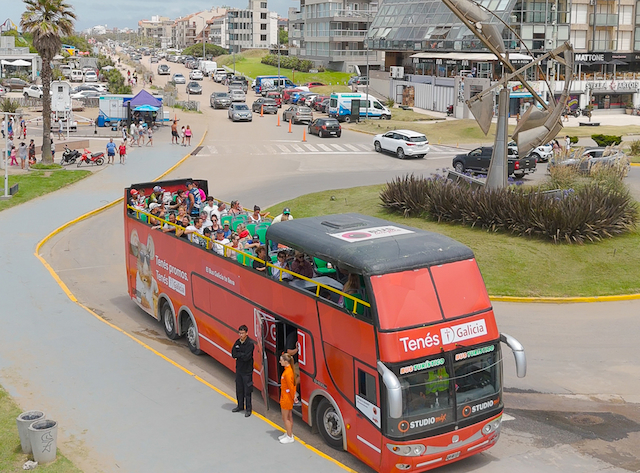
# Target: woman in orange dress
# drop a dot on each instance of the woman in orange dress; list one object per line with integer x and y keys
{"x": 287, "y": 397}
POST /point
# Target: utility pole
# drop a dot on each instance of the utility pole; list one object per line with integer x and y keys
{"x": 366, "y": 39}
{"x": 6, "y": 154}
{"x": 204, "y": 26}
{"x": 278, "y": 43}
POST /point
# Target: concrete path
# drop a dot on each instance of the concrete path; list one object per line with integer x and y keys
{"x": 120, "y": 407}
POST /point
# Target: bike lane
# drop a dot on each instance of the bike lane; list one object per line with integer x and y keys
{"x": 120, "y": 406}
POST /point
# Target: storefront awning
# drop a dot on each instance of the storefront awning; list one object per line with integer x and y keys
{"x": 470, "y": 56}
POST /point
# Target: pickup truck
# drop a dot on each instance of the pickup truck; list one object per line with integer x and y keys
{"x": 478, "y": 161}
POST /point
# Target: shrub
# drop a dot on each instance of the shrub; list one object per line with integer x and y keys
{"x": 634, "y": 149}
{"x": 573, "y": 140}
{"x": 607, "y": 140}
{"x": 9, "y": 105}
{"x": 590, "y": 213}
{"x": 288, "y": 62}
{"x": 390, "y": 103}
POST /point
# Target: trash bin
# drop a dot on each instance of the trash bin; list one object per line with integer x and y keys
{"x": 43, "y": 435}
{"x": 24, "y": 420}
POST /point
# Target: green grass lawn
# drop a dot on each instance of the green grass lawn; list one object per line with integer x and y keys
{"x": 11, "y": 456}
{"x": 40, "y": 182}
{"x": 511, "y": 266}
{"x": 250, "y": 66}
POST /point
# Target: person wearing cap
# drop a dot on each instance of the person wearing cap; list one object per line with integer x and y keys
{"x": 284, "y": 216}
{"x": 220, "y": 240}
{"x": 132, "y": 198}
{"x": 154, "y": 209}
{"x": 255, "y": 217}
{"x": 156, "y": 195}
{"x": 226, "y": 230}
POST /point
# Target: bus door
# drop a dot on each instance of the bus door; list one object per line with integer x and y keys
{"x": 273, "y": 347}
{"x": 367, "y": 401}
{"x": 259, "y": 332}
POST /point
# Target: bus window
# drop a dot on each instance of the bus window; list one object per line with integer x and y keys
{"x": 477, "y": 375}
{"x": 367, "y": 387}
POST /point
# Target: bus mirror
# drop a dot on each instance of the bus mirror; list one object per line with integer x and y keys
{"x": 518, "y": 353}
{"x": 394, "y": 390}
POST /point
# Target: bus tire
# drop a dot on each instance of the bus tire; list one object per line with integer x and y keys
{"x": 347, "y": 118}
{"x": 192, "y": 337}
{"x": 168, "y": 321}
{"x": 329, "y": 424}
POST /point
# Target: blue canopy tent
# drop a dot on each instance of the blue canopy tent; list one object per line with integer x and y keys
{"x": 144, "y": 106}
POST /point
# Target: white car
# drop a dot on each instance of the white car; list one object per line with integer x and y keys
{"x": 3, "y": 91}
{"x": 34, "y": 91}
{"x": 542, "y": 153}
{"x": 402, "y": 143}
{"x": 86, "y": 94}
{"x": 90, "y": 76}
{"x": 237, "y": 95}
{"x": 99, "y": 87}
{"x": 179, "y": 78}
{"x": 196, "y": 75}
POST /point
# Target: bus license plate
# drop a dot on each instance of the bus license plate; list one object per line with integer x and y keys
{"x": 452, "y": 456}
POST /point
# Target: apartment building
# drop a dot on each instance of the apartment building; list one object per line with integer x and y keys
{"x": 187, "y": 30}
{"x": 332, "y": 33}
{"x": 254, "y": 27}
{"x": 158, "y": 28}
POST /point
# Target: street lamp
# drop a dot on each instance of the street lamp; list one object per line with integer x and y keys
{"x": 204, "y": 26}
{"x": 366, "y": 40}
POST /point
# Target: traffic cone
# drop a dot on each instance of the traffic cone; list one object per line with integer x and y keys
{"x": 262, "y": 110}
{"x": 289, "y": 126}
{"x": 278, "y": 119}
{"x": 304, "y": 135}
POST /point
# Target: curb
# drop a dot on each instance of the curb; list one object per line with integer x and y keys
{"x": 73, "y": 298}
{"x": 566, "y": 300}
{"x": 635, "y": 164}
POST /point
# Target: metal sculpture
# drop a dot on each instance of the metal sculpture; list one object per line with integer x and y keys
{"x": 536, "y": 126}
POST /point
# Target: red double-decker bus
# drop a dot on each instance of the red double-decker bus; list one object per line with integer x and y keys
{"x": 405, "y": 373}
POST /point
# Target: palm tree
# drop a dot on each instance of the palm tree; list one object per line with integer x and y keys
{"x": 47, "y": 21}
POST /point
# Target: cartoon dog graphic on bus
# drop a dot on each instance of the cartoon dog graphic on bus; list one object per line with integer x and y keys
{"x": 146, "y": 285}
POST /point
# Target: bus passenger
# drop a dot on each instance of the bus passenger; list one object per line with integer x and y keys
{"x": 207, "y": 233}
{"x": 167, "y": 228}
{"x": 236, "y": 245}
{"x": 242, "y": 352}
{"x": 287, "y": 397}
{"x": 261, "y": 253}
{"x": 301, "y": 265}
{"x": 255, "y": 217}
{"x": 220, "y": 240}
{"x": 282, "y": 264}
{"x": 284, "y": 216}
{"x": 194, "y": 200}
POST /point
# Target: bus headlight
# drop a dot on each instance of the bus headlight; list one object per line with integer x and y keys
{"x": 407, "y": 450}
{"x": 492, "y": 426}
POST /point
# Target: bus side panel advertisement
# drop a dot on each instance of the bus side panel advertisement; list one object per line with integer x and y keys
{"x": 424, "y": 341}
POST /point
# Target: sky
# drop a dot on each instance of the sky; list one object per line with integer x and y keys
{"x": 127, "y": 13}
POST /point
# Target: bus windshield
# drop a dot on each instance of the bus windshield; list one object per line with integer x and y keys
{"x": 447, "y": 389}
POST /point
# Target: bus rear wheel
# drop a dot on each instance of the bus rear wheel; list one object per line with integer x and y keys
{"x": 192, "y": 337}
{"x": 168, "y": 321}
{"x": 329, "y": 424}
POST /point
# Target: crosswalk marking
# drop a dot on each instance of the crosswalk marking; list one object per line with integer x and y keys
{"x": 338, "y": 147}
{"x": 293, "y": 147}
{"x": 297, "y": 148}
{"x": 365, "y": 147}
{"x": 311, "y": 148}
{"x": 352, "y": 148}
{"x": 325, "y": 147}
{"x": 213, "y": 149}
{"x": 284, "y": 149}
{"x": 270, "y": 149}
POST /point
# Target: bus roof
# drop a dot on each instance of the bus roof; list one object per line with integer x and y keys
{"x": 368, "y": 245}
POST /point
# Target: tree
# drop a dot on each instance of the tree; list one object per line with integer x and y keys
{"x": 283, "y": 36}
{"x": 47, "y": 21}
{"x": 212, "y": 50}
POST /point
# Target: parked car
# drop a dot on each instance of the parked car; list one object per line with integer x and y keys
{"x": 317, "y": 101}
{"x": 240, "y": 112}
{"x": 315, "y": 84}
{"x": 307, "y": 99}
{"x": 324, "y": 105}
{"x": 33, "y": 91}
{"x": 590, "y": 157}
{"x": 277, "y": 96}
{"x": 13, "y": 83}
{"x": 86, "y": 94}
{"x": 541, "y": 153}
{"x": 220, "y": 100}
{"x": 403, "y": 143}
{"x": 154, "y": 59}
{"x": 287, "y": 93}
{"x": 196, "y": 74}
{"x": 236, "y": 84}
{"x": 163, "y": 70}
{"x": 297, "y": 114}
{"x": 90, "y": 76}
{"x": 96, "y": 87}
{"x": 3, "y": 91}
{"x": 479, "y": 160}
{"x": 325, "y": 127}
{"x": 179, "y": 78}
{"x": 237, "y": 95}
{"x": 266, "y": 104}
{"x": 194, "y": 88}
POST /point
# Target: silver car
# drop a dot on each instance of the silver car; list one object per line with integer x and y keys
{"x": 240, "y": 112}
{"x": 584, "y": 160}
{"x": 237, "y": 95}
{"x": 220, "y": 100}
{"x": 298, "y": 114}
{"x": 179, "y": 78}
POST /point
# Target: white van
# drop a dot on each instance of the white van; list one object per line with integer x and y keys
{"x": 340, "y": 107}
{"x": 207, "y": 67}
{"x": 219, "y": 75}
{"x": 76, "y": 75}
{"x": 66, "y": 70}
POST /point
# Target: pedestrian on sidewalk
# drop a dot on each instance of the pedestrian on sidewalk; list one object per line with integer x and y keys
{"x": 123, "y": 151}
{"x": 3, "y": 123}
{"x": 140, "y": 133}
{"x": 32, "y": 153}
{"x": 111, "y": 151}
{"x": 22, "y": 154}
{"x": 12, "y": 155}
{"x": 150, "y": 137}
{"x": 60, "y": 129}
{"x": 182, "y": 136}
{"x": 124, "y": 132}
{"x": 242, "y": 352}
{"x": 187, "y": 135}
{"x": 287, "y": 397}
{"x": 174, "y": 132}
{"x": 53, "y": 150}
{"x": 133, "y": 133}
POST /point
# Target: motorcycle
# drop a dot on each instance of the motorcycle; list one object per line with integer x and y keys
{"x": 586, "y": 112}
{"x": 573, "y": 112}
{"x": 450, "y": 110}
{"x": 69, "y": 156}
{"x": 91, "y": 158}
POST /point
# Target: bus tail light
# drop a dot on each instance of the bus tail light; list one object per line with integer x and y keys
{"x": 414, "y": 450}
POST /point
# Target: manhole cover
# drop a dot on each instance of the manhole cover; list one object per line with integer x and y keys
{"x": 196, "y": 151}
{"x": 585, "y": 419}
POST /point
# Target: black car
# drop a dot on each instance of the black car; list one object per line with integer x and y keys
{"x": 325, "y": 127}
{"x": 479, "y": 160}
{"x": 194, "y": 88}
{"x": 267, "y": 105}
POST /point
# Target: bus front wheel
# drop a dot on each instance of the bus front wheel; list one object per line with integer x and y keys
{"x": 168, "y": 321}
{"x": 192, "y": 337}
{"x": 329, "y": 424}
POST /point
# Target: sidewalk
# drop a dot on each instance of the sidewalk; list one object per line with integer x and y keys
{"x": 119, "y": 406}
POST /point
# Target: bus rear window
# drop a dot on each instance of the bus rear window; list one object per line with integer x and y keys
{"x": 461, "y": 289}
{"x": 405, "y": 299}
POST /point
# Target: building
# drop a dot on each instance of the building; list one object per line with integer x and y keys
{"x": 186, "y": 30}
{"x": 332, "y": 33}
{"x": 16, "y": 59}
{"x": 159, "y": 28}
{"x": 254, "y": 27}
